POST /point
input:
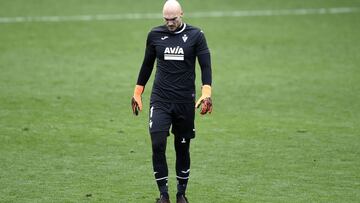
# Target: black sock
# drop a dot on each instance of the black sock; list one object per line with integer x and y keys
{"x": 159, "y": 162}
{"x": 181, "y": 188}
{"x": 164, "y": 191}
{"x": 182, "y": 147}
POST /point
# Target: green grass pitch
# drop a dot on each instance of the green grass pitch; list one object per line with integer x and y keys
{"x": 286, "y": 93}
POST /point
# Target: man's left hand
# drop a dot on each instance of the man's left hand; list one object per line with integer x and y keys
{"x": 205, "y": 100}
{"x": 206, "y": 106}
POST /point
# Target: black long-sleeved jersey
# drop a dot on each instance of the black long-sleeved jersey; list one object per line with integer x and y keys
{"x": 176, "y": 54}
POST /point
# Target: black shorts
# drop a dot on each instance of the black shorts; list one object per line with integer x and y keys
{"x": 180, "y": 116}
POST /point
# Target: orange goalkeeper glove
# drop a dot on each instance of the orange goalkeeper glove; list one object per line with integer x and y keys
{"x": 136, "y": 103}
{"x": 205, "y": 100}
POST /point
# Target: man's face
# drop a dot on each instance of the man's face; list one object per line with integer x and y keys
{"x": 172, "y": 22}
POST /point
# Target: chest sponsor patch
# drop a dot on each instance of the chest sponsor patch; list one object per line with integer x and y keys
{"x": 174, "y": 53}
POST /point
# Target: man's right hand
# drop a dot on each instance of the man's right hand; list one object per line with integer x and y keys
{"x": 136, "y": 102}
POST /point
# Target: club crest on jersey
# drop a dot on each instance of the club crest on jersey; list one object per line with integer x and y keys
{"x": 174, "y": 53}
{"x": 184, "y": 37}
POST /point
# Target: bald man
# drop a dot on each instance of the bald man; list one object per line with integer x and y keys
{"x": 175, "y": 46}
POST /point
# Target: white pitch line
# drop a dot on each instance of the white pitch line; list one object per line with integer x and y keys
{"x": 209, "y": 14}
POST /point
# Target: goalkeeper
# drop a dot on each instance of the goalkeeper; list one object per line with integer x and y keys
{"x": 175, "y": 47}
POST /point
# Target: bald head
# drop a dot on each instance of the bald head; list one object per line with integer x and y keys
{"x": 172, "y": 13}
{"x": 172, "y": 7}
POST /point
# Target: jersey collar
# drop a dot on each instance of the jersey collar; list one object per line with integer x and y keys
{"x": 182, "y": 29}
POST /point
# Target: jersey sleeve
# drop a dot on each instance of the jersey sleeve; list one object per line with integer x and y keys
{"x": 148, "y": 62}
{"x": 205, "y": 65}
{"x": 201, "y": 45}
{"x": 203, "y": 55}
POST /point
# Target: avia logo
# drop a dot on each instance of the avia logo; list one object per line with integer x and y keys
{"x": 174, "y": 50}
{"x": 174, "y": 53}
{"x": 164, "y": 38}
